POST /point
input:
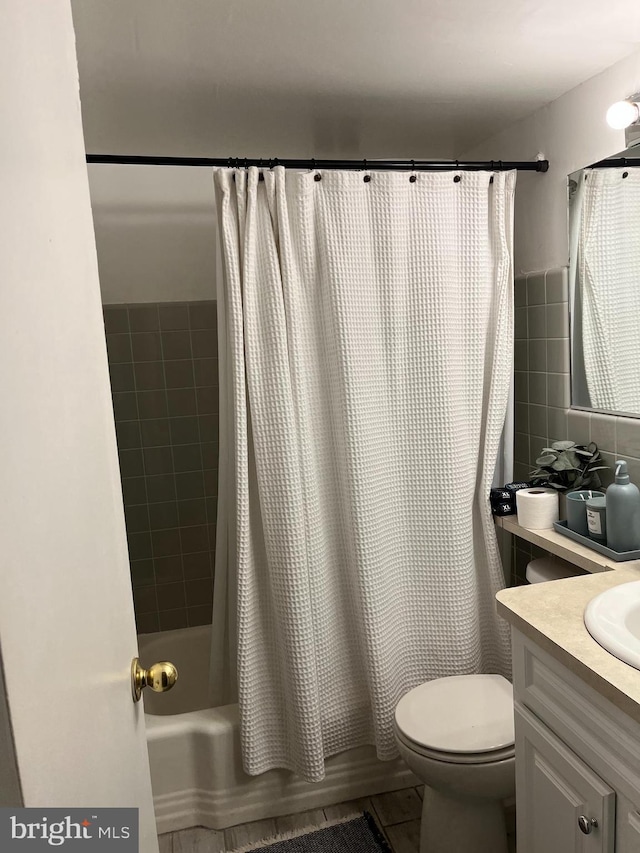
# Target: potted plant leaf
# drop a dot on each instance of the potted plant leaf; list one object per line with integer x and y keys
{"x": 567, "y": 466}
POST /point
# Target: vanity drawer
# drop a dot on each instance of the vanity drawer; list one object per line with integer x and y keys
{"x": 583, "y": 719}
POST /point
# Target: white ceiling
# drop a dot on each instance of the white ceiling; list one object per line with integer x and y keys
{"x": 332, "y": 78}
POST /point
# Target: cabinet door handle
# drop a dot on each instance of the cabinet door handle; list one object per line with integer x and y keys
{"x": 586, "y": 824}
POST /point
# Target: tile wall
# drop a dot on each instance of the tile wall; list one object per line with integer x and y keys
{"x": 542, "y": 389}
{"x": 164, "y": 381}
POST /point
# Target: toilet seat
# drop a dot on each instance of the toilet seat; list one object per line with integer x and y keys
{"x": 457, "y": 757}
{"x": 461, "y": 719}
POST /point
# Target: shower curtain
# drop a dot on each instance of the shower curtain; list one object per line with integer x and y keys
{"x": 608, "y": 264}
{"x": 366, "y": 356}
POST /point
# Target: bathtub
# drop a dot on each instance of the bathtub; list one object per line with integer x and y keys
{"x": 194, "y": 753}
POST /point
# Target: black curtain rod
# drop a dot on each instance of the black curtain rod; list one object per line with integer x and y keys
{"x": 617, "y": 162}
{"x": 367, "y": 165}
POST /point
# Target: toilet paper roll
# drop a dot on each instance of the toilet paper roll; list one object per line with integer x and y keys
{"x": 537, "y": 508}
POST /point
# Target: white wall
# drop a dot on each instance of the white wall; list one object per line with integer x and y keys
{"x": 331, "y": 79}
{"x": 155, "y": 226}
{"x": 66, "y": 614}
{"x": 155, "y": 230}
{"x": 571, "y": 132}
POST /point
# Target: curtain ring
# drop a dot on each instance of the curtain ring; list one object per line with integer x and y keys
{"x": 365, "y": 165}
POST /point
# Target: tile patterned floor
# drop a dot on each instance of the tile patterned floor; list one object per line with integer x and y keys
{"x": 396, "y": 813}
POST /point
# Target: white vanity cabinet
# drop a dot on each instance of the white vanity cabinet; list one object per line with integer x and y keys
{"x": 561, "y": 795}
{"x": 627, "y": 825}
{"x": 577, "y": 761}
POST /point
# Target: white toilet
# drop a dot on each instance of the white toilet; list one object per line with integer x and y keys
{"x": 457, "y": 735}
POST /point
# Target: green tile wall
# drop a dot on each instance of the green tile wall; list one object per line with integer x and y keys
{"x": 543, "y": 390}
{"x": 164, "y": 380}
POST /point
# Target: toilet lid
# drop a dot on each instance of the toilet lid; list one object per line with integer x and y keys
{"x": 462, "y": 713}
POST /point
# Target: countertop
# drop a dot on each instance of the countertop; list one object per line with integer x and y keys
{"x": 551, "y": 614}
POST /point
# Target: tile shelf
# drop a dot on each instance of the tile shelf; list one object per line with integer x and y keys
{"x": 573, "y": 552}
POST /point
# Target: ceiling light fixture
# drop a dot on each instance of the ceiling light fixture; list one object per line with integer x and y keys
{"x": 623, "y": 113}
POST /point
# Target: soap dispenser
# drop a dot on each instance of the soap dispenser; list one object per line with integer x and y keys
{"x": 623, "y": 512}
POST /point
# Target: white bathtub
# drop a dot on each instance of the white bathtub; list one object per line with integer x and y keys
{"x": 194, "y": 752}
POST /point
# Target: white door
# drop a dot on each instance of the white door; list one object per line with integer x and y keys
{"x": 562, "y": 805}
{"x": 66, "y": 615}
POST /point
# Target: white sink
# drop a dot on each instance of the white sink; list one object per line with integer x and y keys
{"x": 613, "y": 620}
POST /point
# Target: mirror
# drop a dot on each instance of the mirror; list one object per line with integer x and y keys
{"x": 604, "y": 275}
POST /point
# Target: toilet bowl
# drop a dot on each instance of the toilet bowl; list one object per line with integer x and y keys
{"x": 457, "y": 735}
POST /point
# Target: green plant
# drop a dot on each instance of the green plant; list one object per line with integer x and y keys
{"x": 567, "y": 465}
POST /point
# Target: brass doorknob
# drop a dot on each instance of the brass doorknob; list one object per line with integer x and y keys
{"x": 159, "y": 677}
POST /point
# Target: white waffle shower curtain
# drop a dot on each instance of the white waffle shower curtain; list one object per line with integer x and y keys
{"x": 366, "y": 355}
{"x": 608, "y": 269}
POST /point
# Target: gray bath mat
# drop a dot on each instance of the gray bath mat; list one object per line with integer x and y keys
{"x": 350, "y": 835}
